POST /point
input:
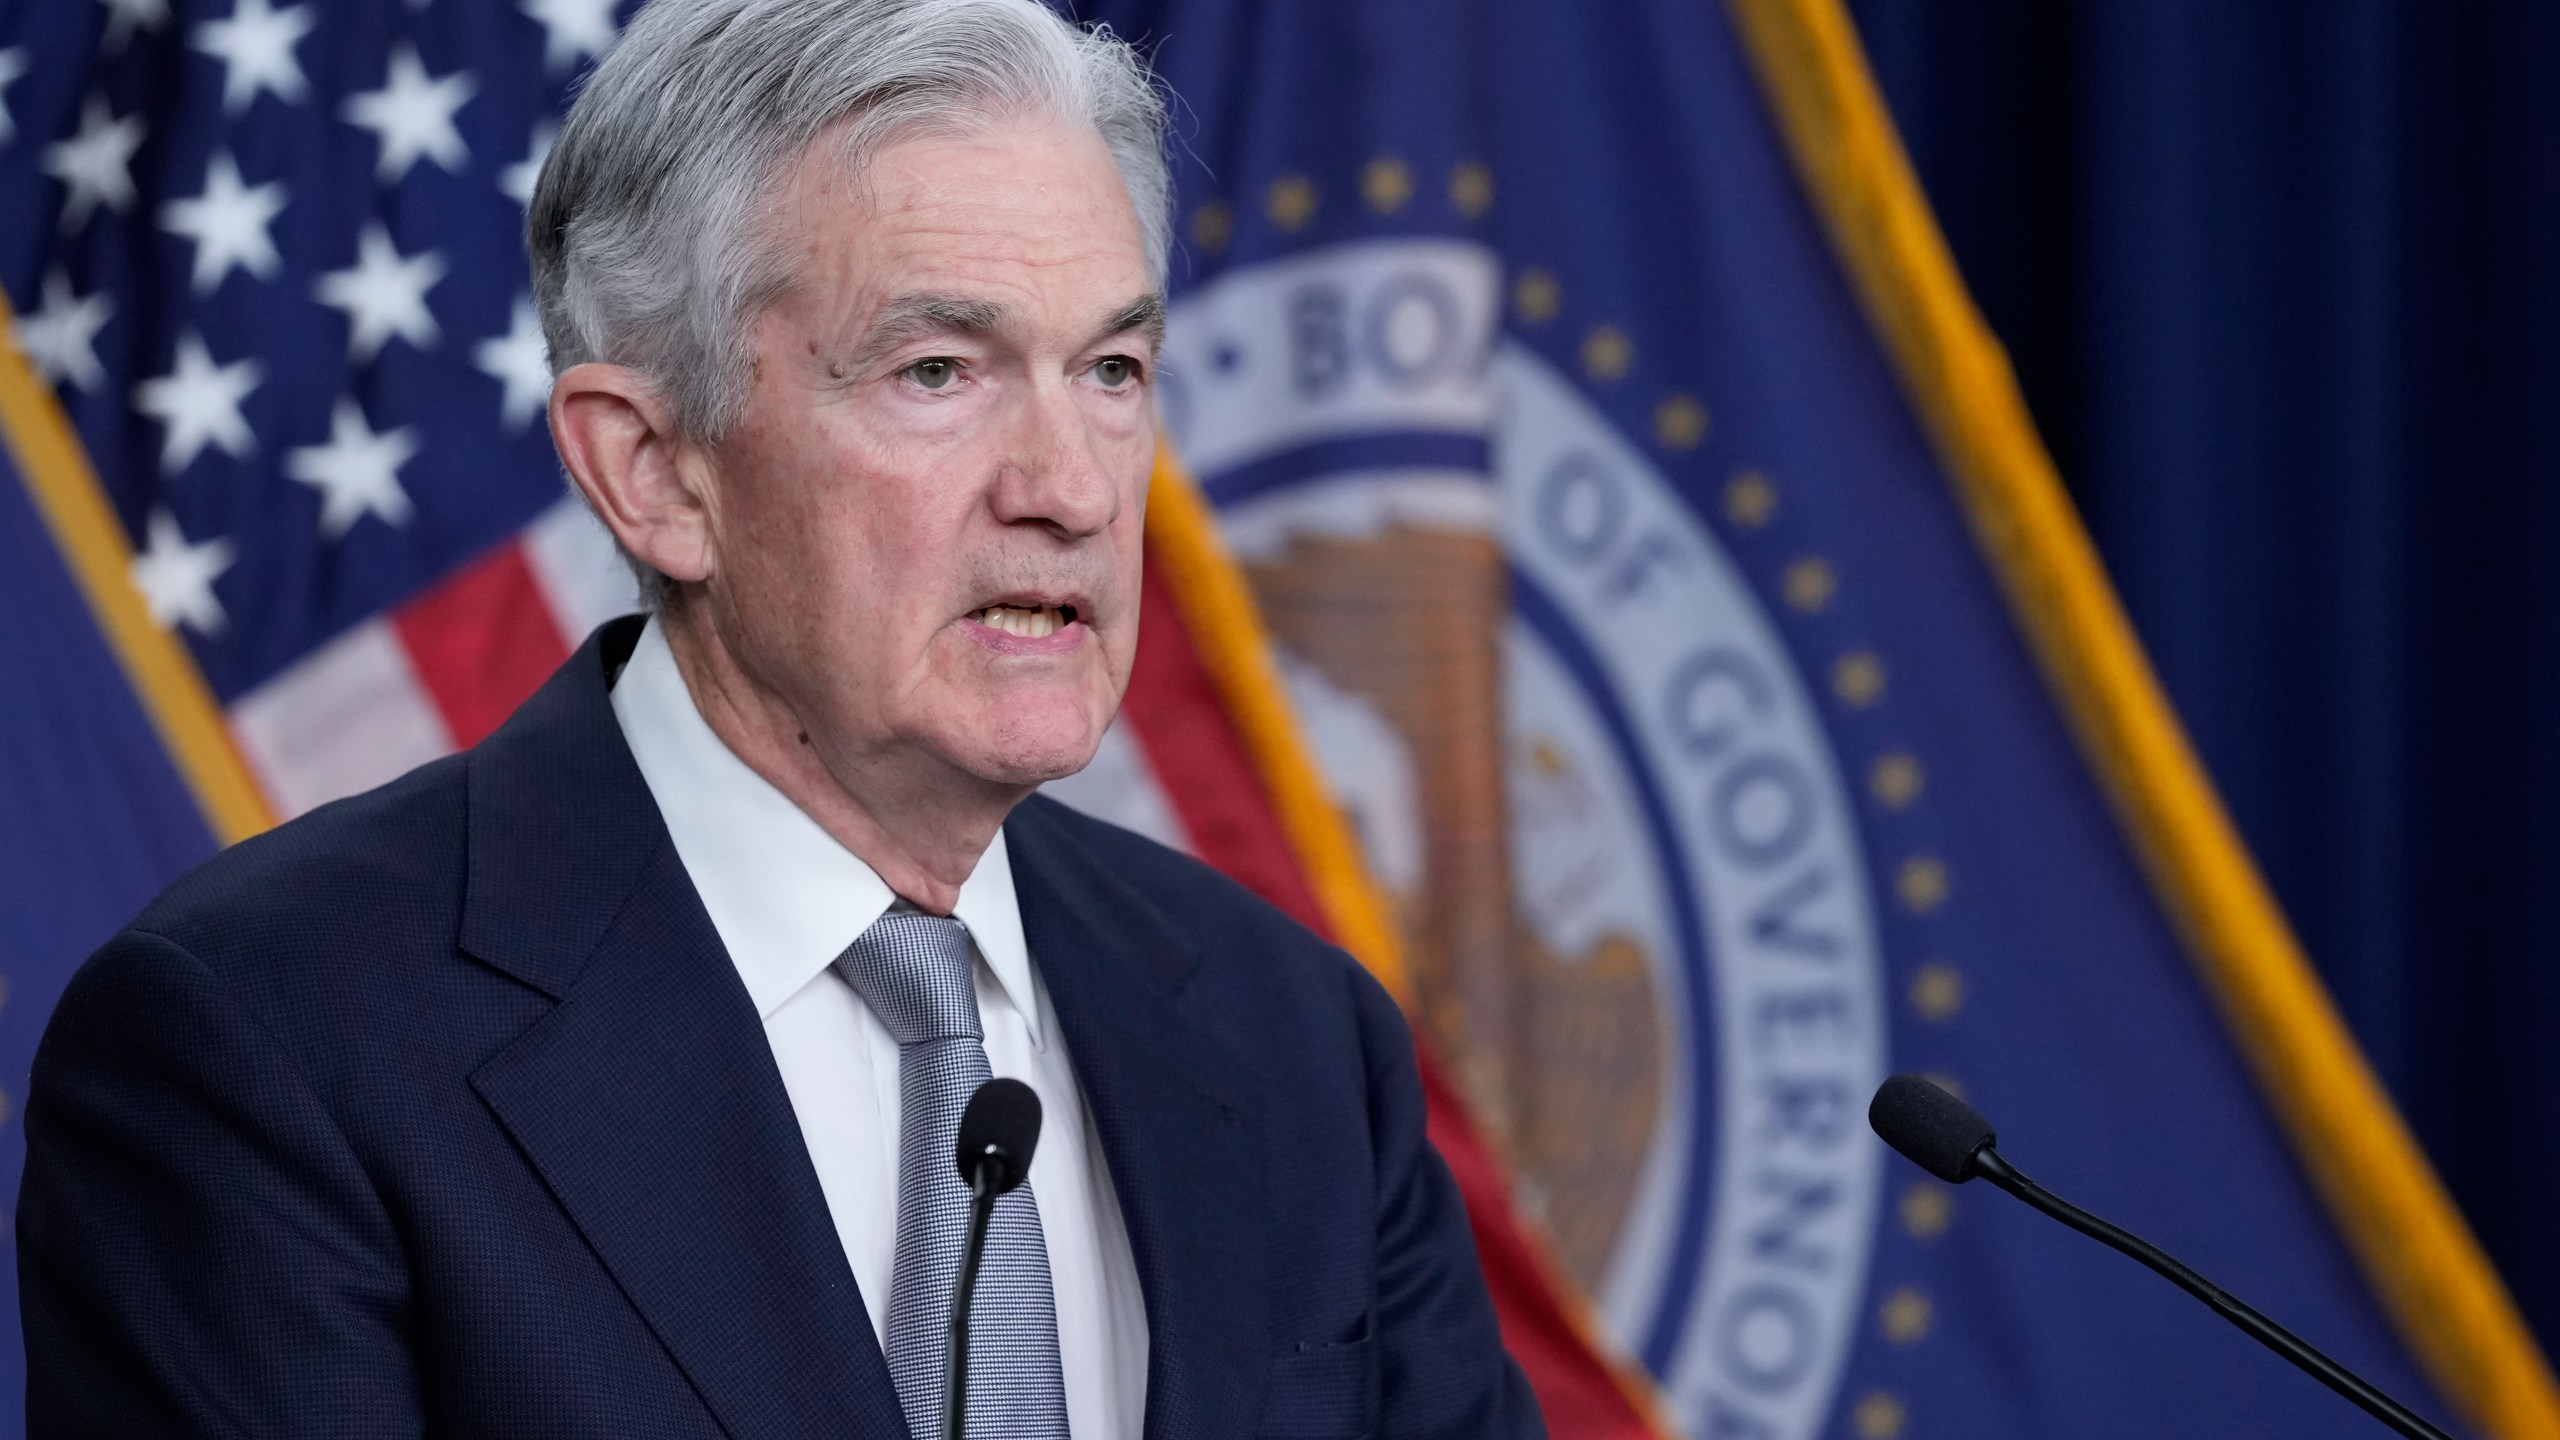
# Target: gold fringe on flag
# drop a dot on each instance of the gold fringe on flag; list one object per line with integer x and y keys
{"x": 2421, "y": 1258}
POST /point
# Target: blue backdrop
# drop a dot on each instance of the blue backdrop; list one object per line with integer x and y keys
{"x": 2283, "y": 285}
{"x": 2241, "y": 269}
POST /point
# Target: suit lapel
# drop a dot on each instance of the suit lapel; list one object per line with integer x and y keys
{"x": 648, "y": 1099}
{"x": 1177, "y": 1127}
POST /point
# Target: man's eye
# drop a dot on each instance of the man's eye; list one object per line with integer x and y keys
{"x": 934, "y": 374}
{"x": 1115, "y": 371}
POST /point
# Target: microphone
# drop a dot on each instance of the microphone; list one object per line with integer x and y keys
{"x": 998, "y": 1131}
{"x": 1948, "y": 1138}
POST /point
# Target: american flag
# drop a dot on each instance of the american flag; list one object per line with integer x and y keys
{"x": 271, "y": 258}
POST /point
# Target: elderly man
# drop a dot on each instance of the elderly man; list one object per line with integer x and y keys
{"x": 602, "y": 1081}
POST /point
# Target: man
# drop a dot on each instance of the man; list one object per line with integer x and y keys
{"x": 602, "y": 1081}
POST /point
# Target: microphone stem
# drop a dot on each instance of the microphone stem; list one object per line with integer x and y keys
{"x": 955, "y": 1354}
{"x": 1988, "y": 1164}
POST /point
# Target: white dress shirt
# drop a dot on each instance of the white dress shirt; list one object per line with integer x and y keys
{"x": 787, "y": 900}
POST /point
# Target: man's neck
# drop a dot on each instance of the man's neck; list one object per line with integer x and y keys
{"x": 917, "y": 822}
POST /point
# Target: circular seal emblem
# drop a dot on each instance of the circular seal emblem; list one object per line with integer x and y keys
{"x": 1590, "y": 771}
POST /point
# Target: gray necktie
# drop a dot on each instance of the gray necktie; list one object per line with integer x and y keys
{"x": 913, "y": 970}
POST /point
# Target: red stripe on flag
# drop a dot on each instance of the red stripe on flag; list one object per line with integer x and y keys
{"x": 1577, "y": 1392}
{"x": 1206, "y": 774}
{"x": 482, "y": 641}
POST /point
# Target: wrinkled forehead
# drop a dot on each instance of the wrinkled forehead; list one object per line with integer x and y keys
{"x": 1021, "y": 211}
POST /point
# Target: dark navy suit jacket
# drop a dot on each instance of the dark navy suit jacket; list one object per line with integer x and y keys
{"x": 442, "y": 1111}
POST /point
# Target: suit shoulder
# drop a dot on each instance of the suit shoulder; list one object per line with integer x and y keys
{"x": 1178, "y": 883}
{"x": 1133, "y": 857}
{"x": 1199, "y": 901}
{"x": 348, "y": 875}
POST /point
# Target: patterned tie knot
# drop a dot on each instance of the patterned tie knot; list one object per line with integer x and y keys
{"x": 912, "y": 969}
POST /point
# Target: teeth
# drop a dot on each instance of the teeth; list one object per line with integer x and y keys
{"x": 1030, "y": 622}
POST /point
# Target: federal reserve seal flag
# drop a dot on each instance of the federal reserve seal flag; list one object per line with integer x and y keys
{"x": 1662, "y": 567}
{"x": 1600, "y": 574}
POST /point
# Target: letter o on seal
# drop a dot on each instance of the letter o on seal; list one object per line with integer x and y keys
{"x": 1581, "y": 507}
{"x": 1765, "y": 1338}
{"x": 1411, "y": 329}
{"x": 1762, "y": 810}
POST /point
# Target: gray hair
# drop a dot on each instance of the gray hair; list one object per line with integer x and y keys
{"x": 647, "y": 228}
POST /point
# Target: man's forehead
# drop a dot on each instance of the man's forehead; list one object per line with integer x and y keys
{"x": 1022, "y": 180}
{"x": 1009, "y": 229}
{"x": 918, "y": 312}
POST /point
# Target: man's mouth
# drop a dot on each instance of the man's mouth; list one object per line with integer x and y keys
{"x": 1029, "y": 621}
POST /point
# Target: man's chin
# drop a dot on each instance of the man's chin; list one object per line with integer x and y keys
{"x": 1028, "y": 772}
{"x": 1026, "y": 757}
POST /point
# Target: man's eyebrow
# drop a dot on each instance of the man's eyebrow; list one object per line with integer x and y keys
{"x": 909, "y": 318}
{"x": 1145, "y": 313}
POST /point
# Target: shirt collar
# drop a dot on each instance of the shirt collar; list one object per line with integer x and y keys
{"x": 784, "y": 896}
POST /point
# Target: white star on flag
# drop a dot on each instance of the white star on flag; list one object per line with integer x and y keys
{"x": 357, "y": 473}
{"x": 13, "y": 63}
{"x": 176, "y": 578}
{"x": 229, "y": 223}
{"x": 384, "y": 294}
{"x": 199, "y": 404}
{"x": 61, "y": 337}
{"x": 125, "y": 17}
{"x": 94, "y": 162}
{"x": 255, "y": 47}
{"x": 573, "y": 30}
{"x": 521, "y": 362}
{"x": 412, "y": 115}
{"x": 518, "y": 180}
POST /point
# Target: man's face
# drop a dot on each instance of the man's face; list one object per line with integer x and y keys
{"x": 926, "y": 529}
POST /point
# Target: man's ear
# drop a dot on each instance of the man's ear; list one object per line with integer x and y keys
{"x": 620, "y": 443}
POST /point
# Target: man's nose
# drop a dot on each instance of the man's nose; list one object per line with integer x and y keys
{"x": 1054, "y": 477}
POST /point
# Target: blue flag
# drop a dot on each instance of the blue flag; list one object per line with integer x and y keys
{"x": 279, "y": 513}
{"x": 1684, "y": 611}
{"x": 1630, "y": 571}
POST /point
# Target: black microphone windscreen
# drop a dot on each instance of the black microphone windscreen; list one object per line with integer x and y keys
{"x": 1001, "y": 1127}
{"x": 1933, "y": 1129}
